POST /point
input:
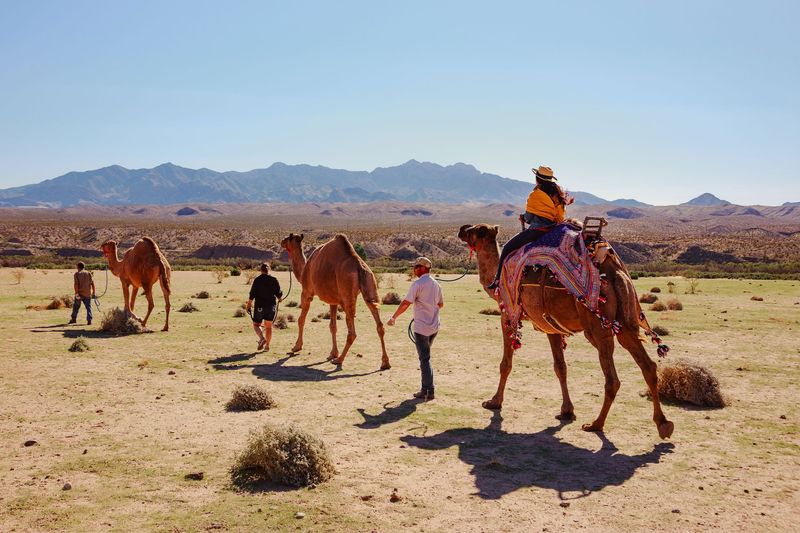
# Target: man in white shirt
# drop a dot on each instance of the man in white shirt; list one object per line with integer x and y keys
{"x": 426, "y": 297}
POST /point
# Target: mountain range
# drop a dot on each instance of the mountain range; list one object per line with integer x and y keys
{"x": 165, "y": 184}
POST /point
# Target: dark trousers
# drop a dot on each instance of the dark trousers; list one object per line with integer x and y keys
{"x": 424, "y": 343}
{"x": 518, "y": 241}
{"x": 76, "y": 306}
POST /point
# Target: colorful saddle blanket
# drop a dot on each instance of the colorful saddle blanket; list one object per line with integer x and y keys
{"x": 563, "y": 252}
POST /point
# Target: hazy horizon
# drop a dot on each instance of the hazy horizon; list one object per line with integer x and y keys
{"x": 657, "y": 102}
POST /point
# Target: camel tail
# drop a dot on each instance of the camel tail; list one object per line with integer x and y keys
{"x": 369, "y": 287}
{"x": 163, "y": 265}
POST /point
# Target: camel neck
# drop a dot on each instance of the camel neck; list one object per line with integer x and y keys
{"x": 488, "y": 256}
{"x": 298, "y": 261}
{"x": 114, "y": 264}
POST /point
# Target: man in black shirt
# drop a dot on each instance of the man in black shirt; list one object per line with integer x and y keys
{"x": 265, "y": 291}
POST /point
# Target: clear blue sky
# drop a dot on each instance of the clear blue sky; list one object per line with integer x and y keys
{"x": 659, "y": 101}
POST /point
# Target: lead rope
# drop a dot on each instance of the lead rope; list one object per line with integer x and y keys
{"x": 97, "y": 298}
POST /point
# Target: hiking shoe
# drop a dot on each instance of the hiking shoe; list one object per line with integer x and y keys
{"x": 72, "y": 321}
{"x": 261, "y": 344}
{"x": 424, "y": 395}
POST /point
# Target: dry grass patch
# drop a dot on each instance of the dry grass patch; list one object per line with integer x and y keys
{"x": 202, "y": 295}
{"x": 60, "y": 302}
{"x": 661, "y": 331}
{"x": 684, "y": 381}
{"x": 647, "y": 298}
{"x": 658, "y": 306}
{"x": 239, "y": 312}
{"x": 117, "y": 322}
{"x": 655, "y": 289}
{"x": 80, "y": 345}
{"x": 490, "y": 311}
{"x": 249, "y": 398}
{"x": 674, "y": 305}
{"x": 757, "y": 298}
{"x": 280, "y": 322}
{"x": 284, "y": 455}
{"x": 391, "y": 298}
{"x": 188, "y": 307}
{"x": 291, "y": 303}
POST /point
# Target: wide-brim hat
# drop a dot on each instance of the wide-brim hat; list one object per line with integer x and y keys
{"x": 422, "y": 261}
{"x": 544, "y": 173}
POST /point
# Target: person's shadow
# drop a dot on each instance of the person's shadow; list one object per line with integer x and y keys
{"x": 504, "y": 462}
{"x": 389, "y": 415}
{"x": 72, "y": 332}
{"x": 279, "y": 371}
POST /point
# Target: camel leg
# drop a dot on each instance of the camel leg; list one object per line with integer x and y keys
{"x": 167, "y": 306}
{"x": 332, "y": 326}
{"x": 126, "y": 288}
{"x": 132, "y": 302}
{"x": 560, "y": 367}
{"x": 350, "y": 318}
{"x": 373, "y": 308}
{"x": 305, "y": 305}
{"x": 603, "y": 340}
{"x": 150, "y": 305}
{"x": 630, "y": 341}
{"x": 505, "y": 369}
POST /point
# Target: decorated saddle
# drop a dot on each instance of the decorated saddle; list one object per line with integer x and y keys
{"x": 564, "y": 253}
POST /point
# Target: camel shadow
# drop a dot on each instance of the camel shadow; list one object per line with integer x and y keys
{"x": 233, "y": 358}
{"x": 389, "y": 414}
{"x": 504, "y": 462}
{"x": 278, "y": 371}
{"x": 73, "y": 332}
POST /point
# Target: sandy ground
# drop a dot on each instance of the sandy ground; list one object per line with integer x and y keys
{"x": 124, "y": 422}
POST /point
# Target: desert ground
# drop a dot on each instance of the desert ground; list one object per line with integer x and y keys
{"x": 124, "y": 422}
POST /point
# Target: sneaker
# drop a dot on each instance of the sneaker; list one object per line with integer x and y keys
{"x": 72, "y": 321}
{"x": 424, "y": 395}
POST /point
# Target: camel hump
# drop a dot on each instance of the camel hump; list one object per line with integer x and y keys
{"x": 163, "y": 264}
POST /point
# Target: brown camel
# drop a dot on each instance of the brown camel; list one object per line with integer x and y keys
{"x": 555, "y": 312}
{"x": 141, "y": 266}
{"x": 336, "y": 274}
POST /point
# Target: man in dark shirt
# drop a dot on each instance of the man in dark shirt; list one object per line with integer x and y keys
{"x": 265, "y": 291}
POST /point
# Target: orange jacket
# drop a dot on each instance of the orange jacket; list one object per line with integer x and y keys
{"x": 539, "y": 203}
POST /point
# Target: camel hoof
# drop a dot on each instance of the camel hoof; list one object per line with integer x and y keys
{"x": 492, "y": 405}
{"x": 386, "y": 366}
{"x": 594, "y": 427}
{"x": 665, "y": 430}
{"x": 566, "y": 416}
{"x": 165, "y": 328}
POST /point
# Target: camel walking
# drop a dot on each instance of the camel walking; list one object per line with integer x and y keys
{"x": 141, "y": 266}
{"x": 555, "y": 312}
{"x": 336, "y": 274}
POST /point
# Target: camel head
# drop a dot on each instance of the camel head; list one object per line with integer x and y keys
{"x": 109, "y": 249}
{"x": 292, "y": 243}
{"x": 479, "y": 235}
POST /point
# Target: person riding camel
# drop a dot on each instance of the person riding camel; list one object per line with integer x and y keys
{"x": 544, "y": 209}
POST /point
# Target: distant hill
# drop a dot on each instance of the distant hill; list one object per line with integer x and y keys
{"x": 706, "y": 199}
{"x": 413, "y": 181}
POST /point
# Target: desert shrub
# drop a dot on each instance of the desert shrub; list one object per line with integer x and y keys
{"x": 236, "y": 271}
{"x": 220, "y": 274}
{"x": 68, "y": 300}
{"x": 202, "y": 295}
{"x": 490, "y": 311}
{"x": 116, "y": 321}
{"x": 648, "y": 298}
{"x": 188, "y": 307}
{"x": 674, "y": 305}
{"x": 684, "y": 381}
{"x": 249, "y": 398}
{"x": 359, "y": 248}
{"x": 250, "y": 275}
{"x": 661, "y": 331}
{"x": 670, "y": 287}
{"x": 391, "y": 298}
{"x": 693, "y": 283}
{"x": 327, "y": 315}
{"x": 757, "y": 298}
{"x": 634, "y": 275}
{"x": 291, "y": 303}
{"x": 314, "y": 319}
{"x": 18, "y": 274}
{"x": 658, "y": 306}
{"x": 280, "y": 322}
{"x": 378, "y": 279}
{"x": 80, "y": 345}
{"x": 284, "y": 455}
{"x": 239, "y": 312}
{"x": 56, "y": 303}
{"x": 289, "y": 317}
{"x": 655, "y": 289}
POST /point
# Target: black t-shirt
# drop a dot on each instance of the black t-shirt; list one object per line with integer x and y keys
{"x": 265, "y": 290}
